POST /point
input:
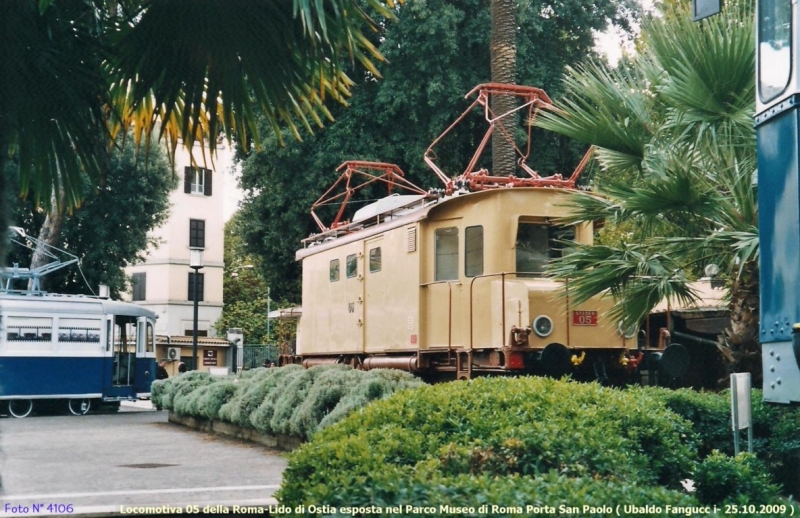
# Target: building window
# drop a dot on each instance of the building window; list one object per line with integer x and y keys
{"x": 473, "y": 251}
{"x": 375, "y": 260}
{"x": 139, "y": 286}
{"x": 334, "y": 273}
{"x": 446, "y": 265}
{"x": 197, "y": 233}
{"x": 352, "y": 266}
{"x": 200, "y": 282}
{"x": 197, "y": 180}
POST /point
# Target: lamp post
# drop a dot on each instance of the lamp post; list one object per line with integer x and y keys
{"x": 195, "y": 263}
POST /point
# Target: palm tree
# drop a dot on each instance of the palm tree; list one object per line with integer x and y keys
{"x": 675, "y": 142}
{"x": 77, "y": 72}
{"x": 503, "y": 61}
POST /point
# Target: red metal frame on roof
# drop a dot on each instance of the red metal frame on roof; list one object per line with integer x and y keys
{"x": 532, "y": 100}
{"x": 367, "y": 173}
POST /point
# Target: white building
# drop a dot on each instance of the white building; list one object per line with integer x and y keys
{"x": 163, "y": 282}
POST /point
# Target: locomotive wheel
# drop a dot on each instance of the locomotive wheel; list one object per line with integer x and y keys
{"x": 675, "y": 361}
{"x": 79, "y": 406}
{"x": 20, "y": 408}
{"x": 555, "y": 361}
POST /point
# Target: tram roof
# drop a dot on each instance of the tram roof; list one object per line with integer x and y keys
{"x": 58, "y": 303}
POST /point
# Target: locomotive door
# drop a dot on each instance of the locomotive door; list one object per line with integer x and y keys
{"x": 376, "y": 303}
{"x": 353, "y": 342}
{"x": 122, "y": 345}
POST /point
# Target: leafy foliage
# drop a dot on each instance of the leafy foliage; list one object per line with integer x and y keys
{"x": 118, "y": 212}
{"x": 674, "y": 137}
{"x": 740, "y": 480}
{"x": 495, "y": 429}
{"x": 438, "y": 51}
{"x": 288, "y": 400}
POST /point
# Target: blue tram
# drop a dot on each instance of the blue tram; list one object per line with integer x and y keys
{"x": 778, "y": 142}
{"x": 77, "y": 349}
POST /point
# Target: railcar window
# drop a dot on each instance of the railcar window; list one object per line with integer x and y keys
{"x": 473, "y": 251}
{"x": 334, "y": 273}
{"x": 375, "y": 260}
{"x": 29, "y": 329}
{"x": 352, "y": 266}
{"x": 774, "y": 47}
{"x": 537, "y": 244}
{"x": 79, "y": 330}
{"x": 446, "y": 267}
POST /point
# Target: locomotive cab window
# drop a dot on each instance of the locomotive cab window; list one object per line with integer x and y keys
{"x": 375, "y": 260}
{"x": 537, "y": 243}
{"x": 473, "y": 251}
{"x": 352, "y": 266}
{"x": 334, "y": 272}
{"x": 446, "y": 264}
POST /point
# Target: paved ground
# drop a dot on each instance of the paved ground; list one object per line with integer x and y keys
{"x": 110, "y": 463}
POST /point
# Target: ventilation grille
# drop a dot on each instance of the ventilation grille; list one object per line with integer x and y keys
{"x": 411, "y": 244}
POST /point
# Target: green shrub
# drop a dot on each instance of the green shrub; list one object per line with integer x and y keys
{"x": 775, "y": 438}
{"x": 254, "y": 387}
{"x": 743, "y": 479}
{"x": 214, "y": 396}
{"x": 323, "y": 396}
{"x": 274, "y": 385}
{"x": 492, "y": 428}
{"x": 180, "y": 386}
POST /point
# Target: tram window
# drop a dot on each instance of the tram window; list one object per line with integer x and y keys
{"x": 375, "y": 260}
{"x": 29, "y": 329}
{"x": 473, "y": 251}
{"x": 446, "y": 265}
{"x": 774, "y": 47}
{"x": 352, "y": 266}
{"x": 150, "y": 346}
{"x": 537, "y": 244}
{"x": 79, "y": 330}
{"x": 334, "y": 270}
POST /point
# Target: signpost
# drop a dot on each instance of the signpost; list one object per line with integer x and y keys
{"x": 740, "y": 410}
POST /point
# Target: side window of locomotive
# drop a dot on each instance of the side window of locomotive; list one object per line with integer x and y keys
{"x": 352, "y": 266}
{"x": 446, "y": 264}
{"x": 537, "y": 244}
{"x": 473, "y": 251}
{"x": 375, "y": 260}
{"x": 334, "y": 273}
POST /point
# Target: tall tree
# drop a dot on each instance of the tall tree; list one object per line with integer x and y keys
{"x": 674, "y": 136}
{"x": 503, "y": 58}
{"x": 75, "y": 72}
{"x": 438, "y": 51}
{"x": 110, "y": 229}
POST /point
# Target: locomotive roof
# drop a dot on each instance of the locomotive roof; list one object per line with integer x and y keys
{"x": 56, "y": 303}
{"x": 396, "y": 215}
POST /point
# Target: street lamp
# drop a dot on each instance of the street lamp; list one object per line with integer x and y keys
{"x": 235, "y": 270}
{"x": 195, "y": 263}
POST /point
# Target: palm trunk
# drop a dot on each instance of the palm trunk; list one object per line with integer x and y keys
{"x": 48, "y": 234}
{"x": 504, "y": 70}
{"x": 739, "y": 343}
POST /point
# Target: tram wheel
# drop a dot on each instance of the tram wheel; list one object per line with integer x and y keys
{"x": 20, "y": 408}
{"x": 79, "y": 406}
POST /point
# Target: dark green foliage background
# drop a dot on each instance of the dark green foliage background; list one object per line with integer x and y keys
{"x": 109, "y": 230}
{"x": 436, "y": 52}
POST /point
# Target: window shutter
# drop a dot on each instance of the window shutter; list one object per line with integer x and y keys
{"x": 207, "y": 182}
{"x": 188, "y": 173}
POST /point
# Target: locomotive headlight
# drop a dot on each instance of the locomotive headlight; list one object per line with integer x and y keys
{"x": 542, "y": 325}
{"x": 628, "y": 332}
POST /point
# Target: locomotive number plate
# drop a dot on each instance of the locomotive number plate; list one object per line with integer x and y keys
{"x": 584, "y": 318}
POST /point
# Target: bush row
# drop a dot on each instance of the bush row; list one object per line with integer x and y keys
{"x": 288, "y": 400}
{"x": 776, "y": 442}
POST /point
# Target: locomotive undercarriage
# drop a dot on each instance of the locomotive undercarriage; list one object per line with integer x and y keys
{"x": 612, "y": 365}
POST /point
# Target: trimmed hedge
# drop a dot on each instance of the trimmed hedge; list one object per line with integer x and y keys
{"x": 288, "y": 400}
{"x": 498, "y": 440}
{"x": 776, "y": 442}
